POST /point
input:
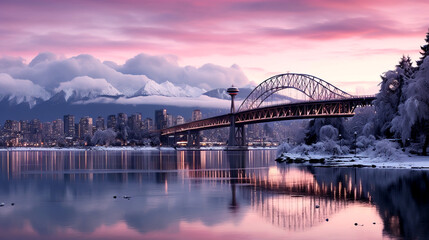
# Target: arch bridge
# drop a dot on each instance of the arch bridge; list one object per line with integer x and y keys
{"x": 325, "y": 100}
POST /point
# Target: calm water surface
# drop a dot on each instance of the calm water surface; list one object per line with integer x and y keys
{"x": 204, "y": 195}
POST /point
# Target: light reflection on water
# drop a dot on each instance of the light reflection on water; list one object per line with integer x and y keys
{"x": 203, "y": 194}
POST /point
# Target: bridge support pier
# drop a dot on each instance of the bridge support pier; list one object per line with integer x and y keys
{"x": 193, "y": 138}
{"x": 237, "y": 136}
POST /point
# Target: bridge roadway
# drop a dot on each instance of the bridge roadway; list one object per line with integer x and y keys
{"x": 342, "y": 107}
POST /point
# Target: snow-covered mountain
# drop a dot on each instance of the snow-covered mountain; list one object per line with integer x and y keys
{"x": 86, "y": 87}
{"x": 168, "y": 89}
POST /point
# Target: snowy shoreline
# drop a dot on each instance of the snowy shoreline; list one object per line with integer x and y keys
{"x": 359, "y": 160}
{"x": 126, "y": 148}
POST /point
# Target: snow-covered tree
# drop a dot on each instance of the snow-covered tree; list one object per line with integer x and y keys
{"x": 103, "y": 137}
{"x": 414, "y": 112}
{"x": 425, "y": 51}
{"x": 391, "y": 95}
{"x": 362, "y": 122}
{"x": 328, "y": 132}
{"x": 313, "y": 130}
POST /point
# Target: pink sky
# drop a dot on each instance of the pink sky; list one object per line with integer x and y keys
{"x": 347, "y": 43}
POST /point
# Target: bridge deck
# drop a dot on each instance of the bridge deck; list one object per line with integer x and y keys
{"x": 300, "y": 110}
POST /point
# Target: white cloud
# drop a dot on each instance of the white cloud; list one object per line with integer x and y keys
{"x": 21, "y": 90}
{"x": 49, "y": 71}
{"x": 166, "y": 68}
{"x": 87, "y": 87}
{"x": 201, "y": 101}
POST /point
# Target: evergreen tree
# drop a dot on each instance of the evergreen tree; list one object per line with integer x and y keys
{"x": 391, "y": 95}
{"x": 425, "y": 51}
{"x": 414, "y": 112}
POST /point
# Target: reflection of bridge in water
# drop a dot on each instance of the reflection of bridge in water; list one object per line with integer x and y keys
{"x": 323, "y": 100}
{"x": 290, "y": 198}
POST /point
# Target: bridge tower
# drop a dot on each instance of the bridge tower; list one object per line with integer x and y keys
{"x": 236, "y": 133}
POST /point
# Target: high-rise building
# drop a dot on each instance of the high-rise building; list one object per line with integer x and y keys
{"x": 197, "y": 115}
{"x": 161, "y": 118}
{"x": 111, "y": 122}
{"x": 35, "y": 131}
{"x": 122, "y": 120}
{"x": 85, "y": 127}
{"x": 57, "y": 128}
{"x": 180, "y": 120}
{"x": 170, "y": 120}
{"x": 46, "y": 130}
{"x": 11, "y": 126}
{"x": 25, "y": 130}
{"x": 99, "y": 123}
{"x": 69, "y": 126}
{"x": 135, "y": 122}
{"x": 147, "y": 124}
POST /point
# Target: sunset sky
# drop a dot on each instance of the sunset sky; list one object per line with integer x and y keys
{"x": 348, "y": 43}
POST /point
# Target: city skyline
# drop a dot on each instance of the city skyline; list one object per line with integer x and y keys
{"x": 71, "y": 130}
{"x": 348, "y": 43}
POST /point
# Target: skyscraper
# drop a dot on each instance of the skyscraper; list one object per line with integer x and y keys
{"x": 161, "y": 118}
{"x": 122, "y": 120}
{"x": 99, "y": 123}
{"x": 147, "y": 124}
{"x": 180, "y": 120}
{"x": 57, "y": 128}
{"x": 170, "y": 121}
{"x": 197, "y": 115}
{"x": 69, "y": 128}
{"x": 85, "y": 127}
{"x": 46, "y": 131}
{"x": 135, "y": 122}
{"x": 111, "y": 122}
{"x": 35, "y": 131}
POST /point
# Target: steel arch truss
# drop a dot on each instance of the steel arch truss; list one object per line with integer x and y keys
{"x": 313, "y": 87}
{"x": 312, "y": 109}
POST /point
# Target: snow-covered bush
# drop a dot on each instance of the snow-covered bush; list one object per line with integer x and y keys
{"x": 327, "y": 147}
{"x": 301, "y": 149}
{"x": 328, "y": 132}
{"x": 284, "y": 147}
{"x": 363, "y": 142}
{"x": 103, "y": 137}
{"x": 386, "y": 149}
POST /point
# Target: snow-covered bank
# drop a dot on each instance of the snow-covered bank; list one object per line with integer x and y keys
{"x": 360, "y": 160}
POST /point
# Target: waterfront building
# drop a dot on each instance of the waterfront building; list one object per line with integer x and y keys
{"x": 135, "y": 122}
{"x": 161, "y": 118}
{"x": 85, "y": 127}
{"x": 170, "y": 121}
{"x": 99, "y": 123}
{"x": 147, "y": 124}
{"x": 69, "y": 126}
{"x": 57, "y": 128}
{"x": 122, "y": 120}
{"x": 180, "y": 120}
{"x": 111, "y": 122}
{"x": 196, "y": 115}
